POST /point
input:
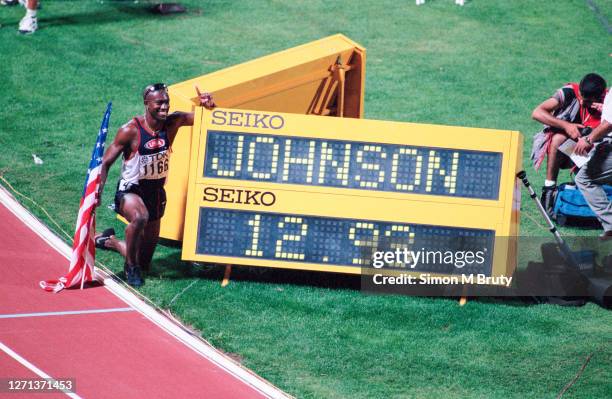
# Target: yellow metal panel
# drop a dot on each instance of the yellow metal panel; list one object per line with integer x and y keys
{"x": 380, "y": 209}
{"x": 297, "y": 80}
{"x": 176, "y": 182}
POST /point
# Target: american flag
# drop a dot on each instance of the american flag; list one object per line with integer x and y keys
{"x": 82, "y": 261}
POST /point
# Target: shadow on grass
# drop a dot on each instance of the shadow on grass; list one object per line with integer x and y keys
{"x": 117, "y": 11}
{"x": 173, "y": 268}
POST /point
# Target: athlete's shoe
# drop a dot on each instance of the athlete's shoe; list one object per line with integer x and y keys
{"x": 9, "y": 2}
{"x": 101, "y": 239}
{"x": 133, "y": 275}
{"x": 28, "y": 25}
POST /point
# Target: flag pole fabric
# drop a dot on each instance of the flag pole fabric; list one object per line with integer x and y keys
{"x": 82, "y": 262}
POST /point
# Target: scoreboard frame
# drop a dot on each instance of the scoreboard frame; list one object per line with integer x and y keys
{"x": 500, "y": 215}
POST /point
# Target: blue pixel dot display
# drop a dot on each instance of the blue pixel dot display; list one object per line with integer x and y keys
{"x": 337, "y": 241}
{"x": 351, "y": 164}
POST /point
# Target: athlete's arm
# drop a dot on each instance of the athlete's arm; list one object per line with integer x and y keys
{"x": 186, "y": 118}
{"x": 179, "y": 119}
{"x": 123, "y": 140}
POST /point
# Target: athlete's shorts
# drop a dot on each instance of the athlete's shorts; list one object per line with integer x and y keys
{"x": 153, "y": 196}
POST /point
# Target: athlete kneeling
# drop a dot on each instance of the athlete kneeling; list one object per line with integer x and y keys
{"x": 144, "y": 142}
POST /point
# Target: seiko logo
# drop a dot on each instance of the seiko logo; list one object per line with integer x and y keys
{"x": 247, "y": 119}
{"x": 155, "y": 143}
{"x": 234, "y": 196}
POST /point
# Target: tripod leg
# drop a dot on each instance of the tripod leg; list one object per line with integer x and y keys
{"x": 569, "y": 256}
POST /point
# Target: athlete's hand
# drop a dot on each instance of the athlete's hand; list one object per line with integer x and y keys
{"x": 98, "y": 198}
{"x": 582, "y": 147}
{"x": 206, "y": 99}
{"x": 573, "y": 129}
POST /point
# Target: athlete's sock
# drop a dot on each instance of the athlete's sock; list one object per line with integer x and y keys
{"x": 30, "y": 13}
{"x": 550, "y": 183}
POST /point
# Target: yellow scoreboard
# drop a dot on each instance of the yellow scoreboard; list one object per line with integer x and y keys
{"x": 322, "y": 193}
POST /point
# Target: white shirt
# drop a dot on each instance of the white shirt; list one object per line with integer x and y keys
{"x": 606, "y": 113}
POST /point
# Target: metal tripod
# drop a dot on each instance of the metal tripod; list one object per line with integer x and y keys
{"x": 567, "y": 254}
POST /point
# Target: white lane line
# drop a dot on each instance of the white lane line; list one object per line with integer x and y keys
{"x": 180, "y": 333}
{"x": 64, "y": 313}
{"x": 33, "y": 368}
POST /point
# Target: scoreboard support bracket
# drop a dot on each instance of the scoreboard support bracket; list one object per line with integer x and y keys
{"x": 226, "y": 276}
{"x": 339, "y": 73}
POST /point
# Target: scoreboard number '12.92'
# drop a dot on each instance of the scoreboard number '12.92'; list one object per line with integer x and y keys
{"x": 325, "y": 193}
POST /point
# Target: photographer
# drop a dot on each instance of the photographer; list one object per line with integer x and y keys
{"x": 571, "y": 108}
{"x": 598, "y": 170}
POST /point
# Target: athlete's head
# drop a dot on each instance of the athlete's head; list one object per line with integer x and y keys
{"x": 592, "y": 88}
{"x": 156, "y": 100}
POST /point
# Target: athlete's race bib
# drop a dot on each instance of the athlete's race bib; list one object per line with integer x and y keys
{"x": 154, "y": 166}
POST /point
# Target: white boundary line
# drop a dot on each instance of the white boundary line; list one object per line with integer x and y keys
{"x": 33, "y": 368}
{"x": 64, "y": 313}
{"x": 179, "y": 332}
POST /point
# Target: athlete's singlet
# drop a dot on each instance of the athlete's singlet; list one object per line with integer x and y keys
{"x": 149, "y": 164}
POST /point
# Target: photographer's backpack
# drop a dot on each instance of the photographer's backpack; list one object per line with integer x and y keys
{"x": 572, "y": 209}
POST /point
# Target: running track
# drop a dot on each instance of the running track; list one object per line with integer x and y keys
{"x": 106, "y": 339}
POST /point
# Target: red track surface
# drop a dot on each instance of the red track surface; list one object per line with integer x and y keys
{"x": 110, "y": 355}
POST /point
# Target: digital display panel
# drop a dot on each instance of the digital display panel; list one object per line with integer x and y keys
{"x": 333, "y": 194}
{"x": 351, "y": 164}
{"x": 348, "y": 242}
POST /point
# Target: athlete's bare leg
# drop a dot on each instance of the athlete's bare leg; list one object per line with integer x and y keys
{"x": 116, "y": 245}
{"x": 134, "y": 210}
{"x": 149, "y": 242}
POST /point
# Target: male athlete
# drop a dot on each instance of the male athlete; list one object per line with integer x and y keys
{"x": 144, "y": 142}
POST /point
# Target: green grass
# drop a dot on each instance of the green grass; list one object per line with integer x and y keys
{"x": 315, "y": 335}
